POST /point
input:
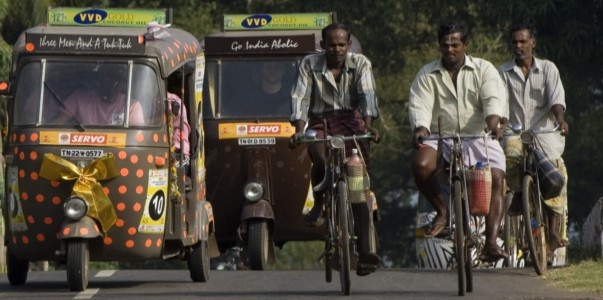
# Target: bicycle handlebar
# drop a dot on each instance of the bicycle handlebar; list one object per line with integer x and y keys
{"x": 518, "y": 130}
{"x": 450, "y": 137}
{"x": 311, "y": 138}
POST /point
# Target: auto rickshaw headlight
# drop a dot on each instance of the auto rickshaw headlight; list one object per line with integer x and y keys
{"x": 75, "y": 208}
{"x": 253, "y": 191}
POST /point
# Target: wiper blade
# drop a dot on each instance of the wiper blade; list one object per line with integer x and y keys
{"x": 56, "y": 99}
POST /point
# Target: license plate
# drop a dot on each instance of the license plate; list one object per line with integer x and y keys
{"x": 85, "y": 153}
{"x": 257, "y": 141}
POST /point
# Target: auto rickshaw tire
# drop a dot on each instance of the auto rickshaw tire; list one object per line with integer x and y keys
{"x": 258, "y": 243}
{"x": 78, "y": 261}
{"x": 17, "y": 269}
{"x": 198, "y": 262}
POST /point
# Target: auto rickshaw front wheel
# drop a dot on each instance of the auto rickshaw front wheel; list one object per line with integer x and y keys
{"x": 16, "y": 268}
{"x": 198, "y": 262}
{"x": 78, "y": 260}
{"x": 258, "y": 243}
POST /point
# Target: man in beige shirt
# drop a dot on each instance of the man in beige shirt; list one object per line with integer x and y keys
{"x": 468, "y": 96}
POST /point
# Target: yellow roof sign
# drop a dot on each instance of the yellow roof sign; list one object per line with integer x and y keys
{"x": 277, "y": 21}
{"x": 106, "y": 17}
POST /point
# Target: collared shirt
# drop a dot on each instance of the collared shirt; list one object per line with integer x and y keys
{"x": 479, "y": 93}
{"x": 316, "y": 93}
{"x": 531, "y": 99}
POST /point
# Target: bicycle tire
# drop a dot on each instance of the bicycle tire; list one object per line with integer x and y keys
{"x": 459, "y": 236}
{"x": 343, "y": 239}
{"x": 329, "y": 238}
{"x": 509, "y": 235}
{"x": 534, "y": 225}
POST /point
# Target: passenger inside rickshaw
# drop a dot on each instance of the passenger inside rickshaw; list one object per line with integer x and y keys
{"x": 257, "y": 88}
{"x": 87, "y": 93}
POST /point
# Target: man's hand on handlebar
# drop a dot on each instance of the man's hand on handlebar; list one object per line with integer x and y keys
{"x": 418, "y": 136}
{"x": 375, "y": 133}
{"x": 295, "y": 139}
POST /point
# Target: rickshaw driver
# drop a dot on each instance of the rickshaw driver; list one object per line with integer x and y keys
{"x": 103, "y": 104}
{"x": 337, "y": 86}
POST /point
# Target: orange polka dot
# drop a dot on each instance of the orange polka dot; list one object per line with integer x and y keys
{"x": 122, "y": 155}
{"x": 25, "y": 240}
{"x": 14, "y": 137}
{"x": 166, "y": 155}
{"x": 30, "y": 219}
{"x": 56, "y": 200}
{"x": 48, "y": 220}
{"x": 139, "y": 173}
{"x": 139, "y": 189}
{"x": 34, "y": 136}
{"x": 140, "y": 137}
{"x": 108, "y": 241}
{"x": 84, "y": 231}
{"x": 148, "y": 243}
{"x": 96, "y": 228}
{"x": 22, "y": 173}
{"x": 183, "y": 218}
{"x": 33, "y": 175}
{"x": 134, "y": 159}
{"x": 40, "y": 198}
{"x": 124, "y": 172}
{"x": 33, "y": 155}
{"x": 106, "y": 190}
{"x": 137, "y": 207}
{"x": 119, "y": 223}
{"x": 158, "y": 243}
{"x": 120, "y": 206}
{"x": 132, "y": 231}
{"x": 40, "y": 237}
{"x": 122, "y": 189}
{"x": 21, "y": 155}
{"x": 66, "y": 231}
{"x": 183, "y": 234}
{"x": 22, "y": 138}
{"x": 155, "y": 138}
{"x": 24, "y": 196}
{"x": 150, "y": 158}
{"x": 55, "y": 183}
{"x": 165, "y": 138}
{"x": 16, "y": 150}
{"x": 129, "y": 243}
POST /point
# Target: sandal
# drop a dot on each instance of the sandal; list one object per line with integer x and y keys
{"x": 437, "y": 226}
{"x": 554, "y": 244}
{"x": 492, "y": 254}
{"x": 367, "y": 264}
{"x": 315, "y": 217}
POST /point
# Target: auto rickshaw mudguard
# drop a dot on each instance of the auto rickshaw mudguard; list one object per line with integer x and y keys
{"x": 261, "y": 209}
{"x": 207, "y": 228}
{"x": 83, "y": 228}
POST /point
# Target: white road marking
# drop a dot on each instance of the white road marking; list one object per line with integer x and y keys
{"x": 105, "y": 273}
{"x": 87, "y": 294}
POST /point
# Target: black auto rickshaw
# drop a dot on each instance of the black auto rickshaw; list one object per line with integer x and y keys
{"x": 92, "y": 171}
{"x": 257, "y": 186}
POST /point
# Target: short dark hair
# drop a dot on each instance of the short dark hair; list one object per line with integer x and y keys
{"x": 451, "y": 28}
{"x": 336, "y": 26}
{"x": 523, "y": 26}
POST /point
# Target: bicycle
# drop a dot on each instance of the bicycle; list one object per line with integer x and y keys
{"x": 340, "y": 236}
{"x": 530, "y": 229}
{"x": 466, "y": 238}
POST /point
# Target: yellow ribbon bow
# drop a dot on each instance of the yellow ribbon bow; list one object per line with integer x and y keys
{"x": 87, "y": 186}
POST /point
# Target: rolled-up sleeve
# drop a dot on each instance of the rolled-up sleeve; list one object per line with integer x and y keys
{"x": 553, "y": 86}
{"x": 420, "y": 102}
{"x": 366, "y": 90}
{"x": 493, "y": 93}
{"x": 301, "y": 92}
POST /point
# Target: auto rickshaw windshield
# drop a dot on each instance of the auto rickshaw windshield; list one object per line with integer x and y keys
{"x": 249, "y": 88}
{"x": 63, "y": 93}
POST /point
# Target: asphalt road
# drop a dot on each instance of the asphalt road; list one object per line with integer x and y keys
{"x": 385, "y": 284}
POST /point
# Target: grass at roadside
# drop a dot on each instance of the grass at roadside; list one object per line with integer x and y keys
{"x": 584, "y": 276}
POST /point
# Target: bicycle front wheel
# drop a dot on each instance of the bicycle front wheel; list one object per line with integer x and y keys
{"x": 459, "y": 236}
{"x": 509, "y": 233}
{"x": 343, "y": 236}
{"x": 533, "y": 220}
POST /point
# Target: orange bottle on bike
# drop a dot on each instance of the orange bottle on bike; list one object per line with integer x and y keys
{"x": 355, "y": 172}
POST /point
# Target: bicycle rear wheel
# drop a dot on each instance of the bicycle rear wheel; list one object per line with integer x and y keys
{"x": 459, "y": 236}
{"x": 343, "y": 237}
{"x": 533, "y": 220}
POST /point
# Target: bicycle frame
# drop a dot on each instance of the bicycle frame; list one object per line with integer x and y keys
{"x": 340, "y": 236}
